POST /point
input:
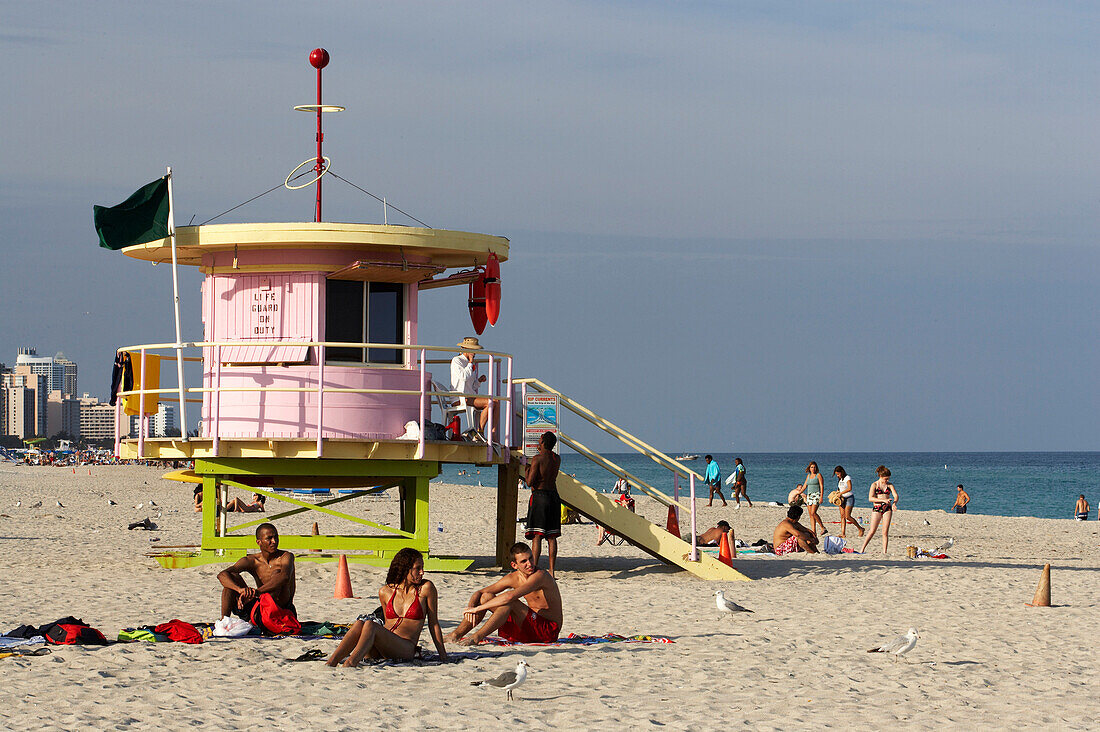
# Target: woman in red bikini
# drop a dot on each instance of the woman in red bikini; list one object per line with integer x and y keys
{"x": 883, "y": 497}
{"x": 408, "y": 602}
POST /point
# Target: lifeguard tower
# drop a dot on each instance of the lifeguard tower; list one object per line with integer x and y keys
{"x": 316, "y": 391}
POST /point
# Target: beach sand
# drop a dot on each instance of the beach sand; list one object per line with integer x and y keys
{"x": 984, "y": 659}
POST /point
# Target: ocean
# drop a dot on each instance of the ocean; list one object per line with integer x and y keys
{"x": 1041, "y": 484}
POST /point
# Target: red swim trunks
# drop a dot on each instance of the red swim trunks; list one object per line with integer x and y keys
{"x": 787, "y": 547}
{"x": 534, "y": 629}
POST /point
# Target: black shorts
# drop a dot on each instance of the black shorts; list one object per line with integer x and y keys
{"x": 544, "y": 515}
{"x": 960, "y": 509}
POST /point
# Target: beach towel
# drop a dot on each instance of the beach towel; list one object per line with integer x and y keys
{"x": 574, "y": 639}
{"x": 33, "y": 640}
{"x": 133, "y": 635}
{"x": 309, "y": 631}
{"x": 179, "y": 631}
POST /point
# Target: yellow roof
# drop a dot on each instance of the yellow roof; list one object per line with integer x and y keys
{"x": 443, "y": 247}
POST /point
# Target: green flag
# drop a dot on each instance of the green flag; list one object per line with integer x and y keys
{"x": 140, "y": 218}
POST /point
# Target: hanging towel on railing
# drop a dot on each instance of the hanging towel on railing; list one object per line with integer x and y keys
{"x": 122, "y": 375}
{"x": 147, "y": 379}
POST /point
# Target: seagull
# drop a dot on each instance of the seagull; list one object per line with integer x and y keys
{"x": 36, "y": 504}
{"x": 507, "y": 680}
{"x": 139, "y": 505}
{"x": 944, "y": 546}
{"x": 18, "y": 504}
{"x": 111, "y": 503}
{"x": 728, "y": 606}
{"x": 59, "y": 504}
{"x": 151, "y": 503}
{"x": 927, "y": 522}
{"x": 900, "y": 645}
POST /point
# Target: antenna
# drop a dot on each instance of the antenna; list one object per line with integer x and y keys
{"x": 318, "y": 59}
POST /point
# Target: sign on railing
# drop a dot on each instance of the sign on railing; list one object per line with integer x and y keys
{"x": 540, "y": 414}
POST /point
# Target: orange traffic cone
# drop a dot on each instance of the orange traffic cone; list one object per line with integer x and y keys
{"x": 1042, "y": 592}
{"x": 314, "y": 532}
{"x": 343, "y": 580}
{"x": 724, "y": 555}
{"x": 673, "y": 523}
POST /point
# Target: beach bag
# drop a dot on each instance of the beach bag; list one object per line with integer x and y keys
{"x": 569, "y": 516}
{"x": 272, "y": 619}
{"x": 231, "y": 627}
{"x": 835, "y": 499}
{"x": 70, "y": 631}
{"x": 179, "y": 631}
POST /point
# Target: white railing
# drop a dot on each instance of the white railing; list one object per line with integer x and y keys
{"x": 417, "y": 357}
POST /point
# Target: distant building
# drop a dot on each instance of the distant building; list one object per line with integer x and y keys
{"x": 18, "y": 417}
{"x": 62, "y": 414}
{"x": 162, "y": 424}
{"x": 26, "y": 400}
{"x": 59, "y": 371}
{"x": 97, "y": 419}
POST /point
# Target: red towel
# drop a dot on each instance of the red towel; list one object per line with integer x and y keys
{"x": 179, "y": 631}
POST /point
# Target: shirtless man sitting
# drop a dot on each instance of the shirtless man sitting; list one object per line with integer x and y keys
{"x": 271, "y": 568}
{"x": 536, "y": 621}
{"x": 712, "y": 536}
{"x": 791, "y": 536}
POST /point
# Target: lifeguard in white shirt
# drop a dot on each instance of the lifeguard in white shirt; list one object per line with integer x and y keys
{"x": 465, "y": 379}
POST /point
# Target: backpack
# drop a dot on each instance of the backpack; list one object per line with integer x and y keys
{"x": 272, "y": 619}
{"x": 70, "y": 631}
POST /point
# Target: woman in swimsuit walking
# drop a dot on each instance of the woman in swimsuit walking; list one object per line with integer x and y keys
{"x": 408, "y": 601}
{"x": 847, "y": 501}
{"x": 883, "y": 497}
{"x": 812, "y": 490}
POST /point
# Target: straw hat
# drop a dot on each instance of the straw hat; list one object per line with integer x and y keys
{"x": 469, "y": 343}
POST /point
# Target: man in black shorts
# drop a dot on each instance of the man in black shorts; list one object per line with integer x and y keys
{"x": 544, "y": 510}
{"x": 271, "y": 568}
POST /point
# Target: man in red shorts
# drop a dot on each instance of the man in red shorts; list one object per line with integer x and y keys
{"x": 538, "y": 620}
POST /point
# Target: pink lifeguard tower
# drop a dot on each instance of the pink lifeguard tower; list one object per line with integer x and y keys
{"x": 315, "y": 389}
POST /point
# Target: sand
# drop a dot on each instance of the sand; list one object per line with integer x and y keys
{"x": 983, "y": 659}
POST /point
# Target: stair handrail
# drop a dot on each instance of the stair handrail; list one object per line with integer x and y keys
{"x": 612, "y": 429}
{"x": 618, "y": 470}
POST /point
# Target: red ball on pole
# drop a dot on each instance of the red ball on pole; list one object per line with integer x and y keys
{"x": 318, "y": 58}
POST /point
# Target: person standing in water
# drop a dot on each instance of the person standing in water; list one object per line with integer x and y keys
{"x": 961, "y": 499}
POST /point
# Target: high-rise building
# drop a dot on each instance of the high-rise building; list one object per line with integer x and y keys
{"x": 26, "y": 400}
{"x": 62, "y": 414}
{"x": 161, "y": 424}
{"x": 97, "y": 419}
{"x": 59, "y": 371}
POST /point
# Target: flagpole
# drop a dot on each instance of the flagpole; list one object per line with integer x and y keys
{"x": 176, "y": 307}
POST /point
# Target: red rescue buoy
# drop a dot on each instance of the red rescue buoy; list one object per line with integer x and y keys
{"x": 492, "y": 289}
{"x": 477, "y": 304}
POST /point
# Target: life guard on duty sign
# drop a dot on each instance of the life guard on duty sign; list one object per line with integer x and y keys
{"x": 540, "y": 414}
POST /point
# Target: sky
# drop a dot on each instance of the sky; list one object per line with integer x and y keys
{"x": 759, "y": 226}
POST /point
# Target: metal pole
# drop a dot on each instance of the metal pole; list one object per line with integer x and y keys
{"x": 217, "y": 399}
{"x": 423, "y": 404}
{"x": 489, "y": 421}
{"x": 141, "y": 409}
{"x": 320, "y": 164}
{"x": 320, "y": 392}
{"x": 511, "y": 408}
{"x": 176, "y": 307}
{"x": 694, "y": 539}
